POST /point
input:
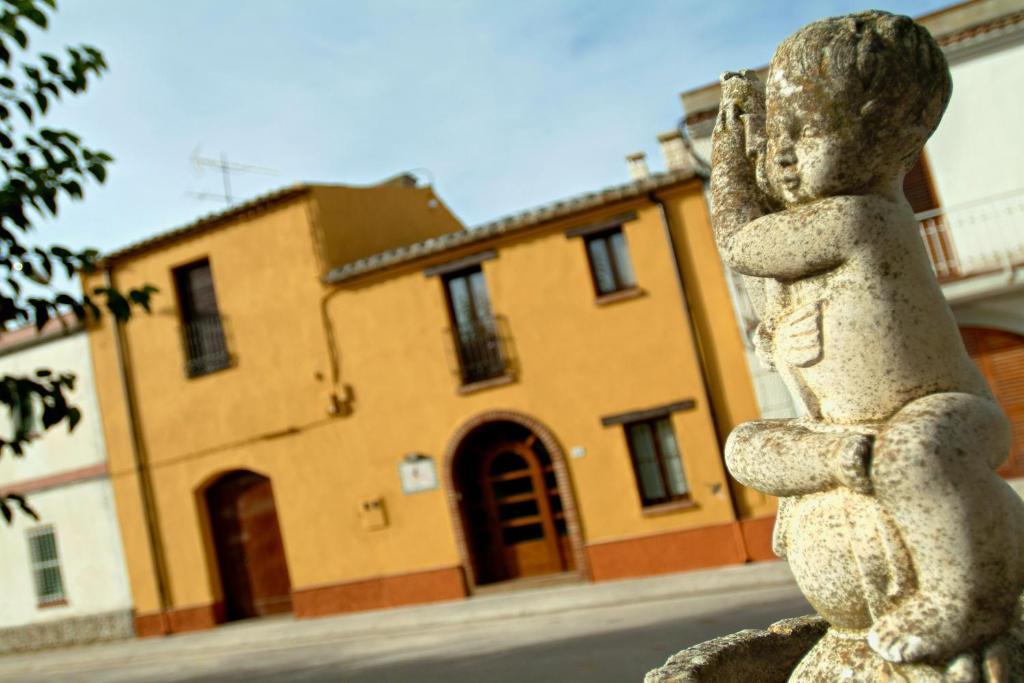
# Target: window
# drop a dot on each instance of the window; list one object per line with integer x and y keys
{"x": 42, "y": 548}
{"x": 656, "y": 461}
{"x": 201, "y": 325}
{"x": 473, "y": 326}
{"x": 609, "y": 261}
{"x": 919, "y": 190}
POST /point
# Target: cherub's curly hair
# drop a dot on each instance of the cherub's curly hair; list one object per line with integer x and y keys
{"x": 873, "y": 61}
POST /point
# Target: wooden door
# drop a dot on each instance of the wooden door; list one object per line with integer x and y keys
{"x": 1000, "y": 356}
{"x": 250, "y": 552}
{"x": 517, "y": 504}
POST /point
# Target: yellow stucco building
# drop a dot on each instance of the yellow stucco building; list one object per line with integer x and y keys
{"x": 343, "y": 400}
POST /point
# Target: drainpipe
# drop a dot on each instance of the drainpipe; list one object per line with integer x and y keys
{"x": 141, "y": 459}
{"x": 701, "y": 355}
{"x": 339, "y": 399}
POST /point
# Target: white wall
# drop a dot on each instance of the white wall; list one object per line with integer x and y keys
{"x": 89, "y": 547}
{"x": 82, "y": 513}
{"x": 975, "y": 158}
{"x": 57, "y": 451}
{"x": 976, "y": 151}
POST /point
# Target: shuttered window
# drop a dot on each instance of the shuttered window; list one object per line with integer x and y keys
{"x": 1000, "y": 356}
{"x": 919, "y": 190}
{"x": 918, "y": 187}
{"x": 42, "y": 549}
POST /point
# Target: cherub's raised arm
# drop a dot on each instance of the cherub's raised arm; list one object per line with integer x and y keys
{"x": 735, "y": 144}
{"x": 801, "y": 241}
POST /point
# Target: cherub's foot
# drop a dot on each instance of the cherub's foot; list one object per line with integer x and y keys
{"x": 853, "y": 458}
{"x": 919, "y": 628}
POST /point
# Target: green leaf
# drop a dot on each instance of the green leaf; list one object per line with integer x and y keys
{"x": 35, "y": 16}
{"x": 52, "y": 63}
{"x": 98, "y": 172}
{"x": 20, "y": 37}
{"x": 74, "y": 417}
{"x": 41, "y": 312}
{"x": 141, "y": 298}
{"x": 23, "y": 505}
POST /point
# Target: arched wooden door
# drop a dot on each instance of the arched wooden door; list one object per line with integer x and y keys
{"x": 1000, "y": 356}
{"x": 518, "y": 508}
{"x": 250, "y": 553}
{"x": 511, "y": 506}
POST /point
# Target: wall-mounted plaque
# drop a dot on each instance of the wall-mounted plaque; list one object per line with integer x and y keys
{"x": 418, "y": 473}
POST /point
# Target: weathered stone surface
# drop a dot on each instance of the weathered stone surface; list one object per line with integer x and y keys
{"x": 93, "y": 628}
{"x": 894, "y": 522}
{"x": 805, "y": 649}
{"x": 766, "y": 656}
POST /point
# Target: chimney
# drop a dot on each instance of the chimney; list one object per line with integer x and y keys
{"x": 676, "y": 150}
{"x": 637, "y": 164}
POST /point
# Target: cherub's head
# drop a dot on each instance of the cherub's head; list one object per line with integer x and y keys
{"x": 850, "y": 103}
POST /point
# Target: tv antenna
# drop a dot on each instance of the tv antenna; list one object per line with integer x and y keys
{"x": 226, "y": 167}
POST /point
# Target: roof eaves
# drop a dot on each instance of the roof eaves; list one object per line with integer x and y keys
{"x": 27, "y": 336}
{"x": 207, "y": 221}
{"x": 507, "y": 224}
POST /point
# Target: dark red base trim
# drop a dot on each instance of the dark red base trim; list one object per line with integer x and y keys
{"x": 678, "y": 551}
{"x": 757, "y": 536}
{"x": 197, "y": 618}
{"x": 376, "y": 593}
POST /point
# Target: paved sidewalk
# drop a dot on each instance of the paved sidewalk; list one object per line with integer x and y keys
{"x": 280, "y": 632}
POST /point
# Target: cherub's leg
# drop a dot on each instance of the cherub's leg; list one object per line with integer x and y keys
{"x": 932, "y": 471}
{"x": 786, "y": 458}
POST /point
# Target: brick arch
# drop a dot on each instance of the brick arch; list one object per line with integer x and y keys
{"x": 562, "y": 478}
{"x": 215, "y": 476}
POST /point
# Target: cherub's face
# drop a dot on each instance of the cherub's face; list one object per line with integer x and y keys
{"x": 809, "y": 156}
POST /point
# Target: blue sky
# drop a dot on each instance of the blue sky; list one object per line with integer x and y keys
{"x": 507, "y": 105}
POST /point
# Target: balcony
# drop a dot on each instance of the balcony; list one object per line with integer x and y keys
{"x": 205, "y": 346}
{"x": 977, "y": 238}
{"x": 481, "y": 352}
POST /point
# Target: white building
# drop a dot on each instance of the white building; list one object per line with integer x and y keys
{"x": 968, "y": 190}
{"x": 63, "y": 576}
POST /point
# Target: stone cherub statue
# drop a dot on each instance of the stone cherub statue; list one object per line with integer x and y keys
{"x": 896, "y": 526}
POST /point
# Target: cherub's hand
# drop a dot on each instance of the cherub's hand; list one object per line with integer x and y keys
{"x": 852, "y": 459}
{"x": 732, "y": 107}
{"x": 743, "y": 100}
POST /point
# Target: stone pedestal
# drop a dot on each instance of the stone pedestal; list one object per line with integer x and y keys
{"x": 765, "y": 656}
{"x": 780, "y": 652}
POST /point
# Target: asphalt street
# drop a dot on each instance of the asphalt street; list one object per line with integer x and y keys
{"x": 602, "y": 643}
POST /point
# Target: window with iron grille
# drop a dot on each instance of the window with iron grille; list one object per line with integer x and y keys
{"x": 42, "y": 548}
{"x": 610, "y": 265}
{"x": 657, "y": 463}
{"x": 202, "y": 328}
{"x": 474, "y": 328}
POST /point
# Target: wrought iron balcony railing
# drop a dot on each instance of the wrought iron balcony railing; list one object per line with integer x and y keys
{"x": 205, "y": 346}
{"x": 979, "y": 237}
{"x": 481, "y": 350}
